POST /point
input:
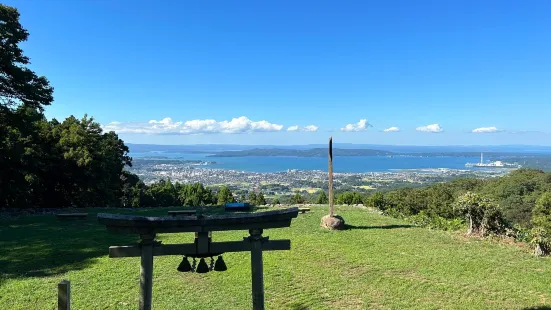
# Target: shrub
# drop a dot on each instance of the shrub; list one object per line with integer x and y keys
{"x": 435, "y": 222}
{"x": 541, "y": 220}
{"x": 376, "y": 200}
{"x": 483, "y": 215}
{"x": 541, "y": 241}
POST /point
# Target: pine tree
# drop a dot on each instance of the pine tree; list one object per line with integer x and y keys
{"x": 322, "y": 198}
{"x": 260, "y": 200}
{"x": 224, "y": 195}
{"x": 252, "y": 198}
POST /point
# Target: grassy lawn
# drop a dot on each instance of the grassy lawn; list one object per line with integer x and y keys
{"x": 379, "y": 263}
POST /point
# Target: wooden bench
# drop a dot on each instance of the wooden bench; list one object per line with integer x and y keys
{"x": 182, "y": 212}
{"x": 303, "y": 210}
{"x": 72, "y": 216}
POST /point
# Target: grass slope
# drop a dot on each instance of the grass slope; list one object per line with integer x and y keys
{"x": 379, "y": 263}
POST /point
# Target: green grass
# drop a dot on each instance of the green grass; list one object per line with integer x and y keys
{"x": 379, "y": 263}
{"x": 309, "y": 190}
{"x": 364, "y": 187}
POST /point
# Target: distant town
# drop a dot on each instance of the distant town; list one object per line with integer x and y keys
{"x": 290, "y": 181}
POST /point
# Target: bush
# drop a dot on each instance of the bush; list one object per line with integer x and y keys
{"x": 541, "y": 241}
{"x": 541, "y": 220}
{"x": 297, "y": 198}
{"x": 435, "y": 222}
{"x": 482, "y": 214}
{"x": 375, "y": 200}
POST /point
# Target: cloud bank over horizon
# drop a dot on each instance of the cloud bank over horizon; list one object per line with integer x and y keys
{"x": 167, "y": 126}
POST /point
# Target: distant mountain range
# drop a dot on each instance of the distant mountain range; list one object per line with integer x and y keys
{"x": 370, "y": 149}
{"x": 317, "y": 152}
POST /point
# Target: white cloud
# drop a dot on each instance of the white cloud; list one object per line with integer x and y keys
{"x": 430, "y": 128}
{"x": 310, "y": 128}
{"x": 199, "y": 126}
{"x": 486, "y": 130}
{"x": 392, "y": 129}
{"x": 362, "y": 125}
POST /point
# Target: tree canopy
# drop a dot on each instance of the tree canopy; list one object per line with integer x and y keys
{"x": 322, "y": 198}
{"x": 49, "y": 163}
{"x": 18, "y": 84}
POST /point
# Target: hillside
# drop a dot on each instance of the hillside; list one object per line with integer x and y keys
{"x": 380, "y": 263}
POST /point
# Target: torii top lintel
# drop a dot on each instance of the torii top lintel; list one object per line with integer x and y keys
{"x": 132, "y": 224}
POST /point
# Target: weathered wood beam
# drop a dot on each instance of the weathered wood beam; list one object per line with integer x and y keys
{"x": 146, "y": 272}
{"x": 183, "y": 249}
{"x": 257, "y": 273}
{"x": 331, "y": 205}
{"x": 64, "y": 295}
{"x": 134, "y": 224}
{"x": 212, "y": 227}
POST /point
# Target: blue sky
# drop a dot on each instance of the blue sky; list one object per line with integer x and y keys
{"x": 178, "y": 72}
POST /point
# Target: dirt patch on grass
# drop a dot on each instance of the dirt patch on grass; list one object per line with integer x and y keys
{"x": 346, "y": 302}
{"x": 502, "y": 240}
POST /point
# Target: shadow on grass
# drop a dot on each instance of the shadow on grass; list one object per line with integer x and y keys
{"x": 38, "y": 246}
{"x": 538, "y": 308}
{"x": 351, "y": 227}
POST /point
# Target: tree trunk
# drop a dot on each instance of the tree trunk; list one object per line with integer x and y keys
{"x": 473, "y": 228}
{"x": 540, "y": 250}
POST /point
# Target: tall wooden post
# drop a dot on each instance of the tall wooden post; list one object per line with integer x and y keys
{"x": 257, "y": 269}
{"x": 146, "y": 272}
{"x": 331, "y": 205}
{"x": 64, "y": 295}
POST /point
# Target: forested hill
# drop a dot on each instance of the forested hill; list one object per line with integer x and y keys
{"x": 317, "y": 152}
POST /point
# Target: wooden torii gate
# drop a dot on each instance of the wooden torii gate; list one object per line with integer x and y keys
{"x": 148, "y": 227}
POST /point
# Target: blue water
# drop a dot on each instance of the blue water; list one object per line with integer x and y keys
{"x": 356, "y": 164}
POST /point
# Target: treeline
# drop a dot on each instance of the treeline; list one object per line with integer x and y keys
{"x": 516, "y": 194}
{"x": 49, "y": 163}
{"x": 164, "y": 193}
{"x": 516, "y": 205}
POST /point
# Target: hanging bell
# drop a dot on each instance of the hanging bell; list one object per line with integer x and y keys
{"x": 220, "y": 265}
{"x": 184, "y": 265}
{"x": 202, "y": 267}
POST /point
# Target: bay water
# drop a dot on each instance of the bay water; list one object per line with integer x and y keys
{"x": 352, "y": 164}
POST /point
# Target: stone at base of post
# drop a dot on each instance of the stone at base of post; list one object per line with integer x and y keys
{"x": 334, "y": 222}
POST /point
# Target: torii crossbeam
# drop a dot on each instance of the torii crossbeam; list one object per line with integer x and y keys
{"x": 148, "y": 227}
